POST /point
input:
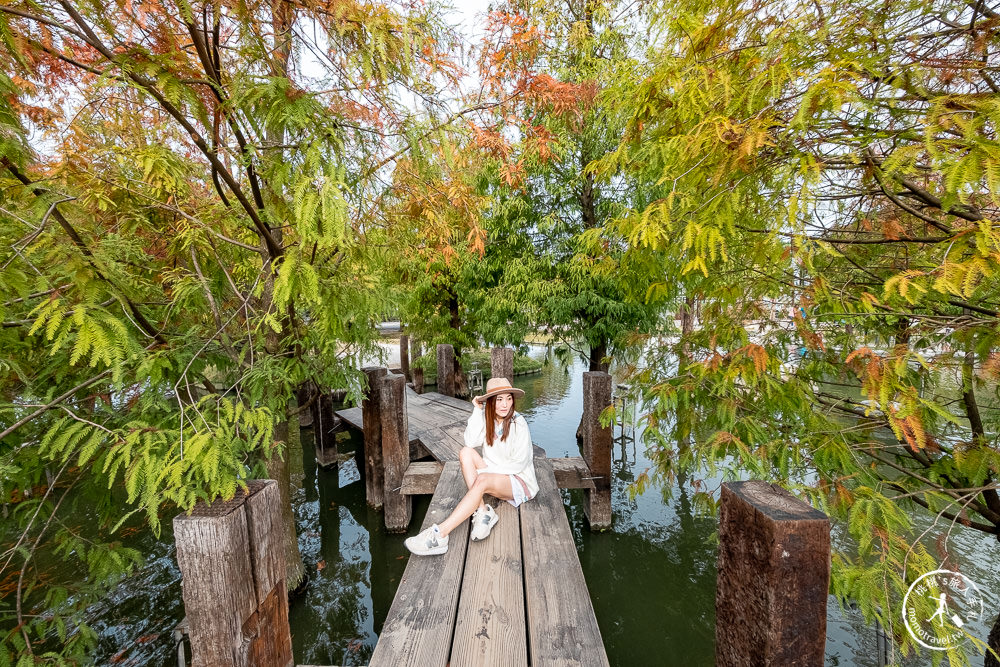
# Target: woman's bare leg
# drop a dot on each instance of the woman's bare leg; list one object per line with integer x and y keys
{"x": 471, "y": 462}
{"x": 491, "y": 483}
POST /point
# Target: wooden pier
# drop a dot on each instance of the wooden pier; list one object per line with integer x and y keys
{"x": 516, "y": 598}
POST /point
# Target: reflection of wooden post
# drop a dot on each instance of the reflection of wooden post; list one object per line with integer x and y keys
{"x": 446, "y": 369}
{"x": 325, "y": 424}
{"x": 597, "y": 448}
{"x": 502, "y": 363}
{"x": 395, "y": 452}
{"x": 371, "y": 426}
{"x": 233, "y": 570}
{"x": 404, "y": 356}
{"x": 773, "y": 578}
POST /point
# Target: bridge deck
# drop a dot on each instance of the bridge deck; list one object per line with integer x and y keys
{"x": 516, "y": 598}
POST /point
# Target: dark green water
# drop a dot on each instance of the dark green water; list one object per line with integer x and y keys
{"x": 651, "y": 578}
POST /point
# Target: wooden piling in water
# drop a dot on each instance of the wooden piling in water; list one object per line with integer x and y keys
{"x": 773, "y": 578}
{"x": 395, "y": 452}
{"x": 325, "y": 424}
{"x": 233, "y": 570}
{"x": 502, "y": 363}
{"x": 404, "y": 356}
{"x": 371, "y": 417}
{"x": 596, "y": 448}
{"x": 446, "y": 369}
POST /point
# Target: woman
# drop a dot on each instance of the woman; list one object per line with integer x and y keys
{"x": 506, "y": 469}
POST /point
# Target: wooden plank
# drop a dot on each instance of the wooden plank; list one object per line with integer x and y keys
{"x": 353, "y": 418}
{"x": 490, "y": 627}
{"x": 571, "y": 472}
{"x": 449, "y": 401}
{"x": 421, "y": 477}
{"x": 419, "y": 624}
{"x": 562, "y": 628}
{"x": 440, "y": 445}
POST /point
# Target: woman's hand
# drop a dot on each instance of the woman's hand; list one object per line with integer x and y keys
{"x": 476, "y": 403}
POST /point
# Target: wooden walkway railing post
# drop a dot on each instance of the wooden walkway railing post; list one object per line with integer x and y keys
{"x": 404, "y": 356}
{"x": 446, "y": 369}
{"x": 773, "y": 578}
{"x": 395, "y": 452}
{"x": 371, "y": 415}
{"x": 502, "y": 363}
{"x": 233, "y": 570}
{"x": 597, "y": 448}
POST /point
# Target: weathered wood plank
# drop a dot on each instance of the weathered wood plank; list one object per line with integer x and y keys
{"x": 421, "y": 477}
{"x": 419, "y": 624}
{"x": 571, "y": 472}
{"x": 449, "y": 401}
{"x": 490, "y": 626}
{"x": 562, "y": 628}
{"x": 353, "y": 417}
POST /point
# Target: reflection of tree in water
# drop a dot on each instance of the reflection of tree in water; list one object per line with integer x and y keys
{"x": 547, "y": 388}
{"x": 649, "y": 578}
{"x": 336, "y": 621}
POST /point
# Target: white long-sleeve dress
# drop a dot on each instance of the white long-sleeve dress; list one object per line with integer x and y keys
{"x": 513, "y": 456}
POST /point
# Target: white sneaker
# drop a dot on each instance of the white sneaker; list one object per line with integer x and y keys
{"x": 427, "y": 542}
{"x": 483, "y": 522}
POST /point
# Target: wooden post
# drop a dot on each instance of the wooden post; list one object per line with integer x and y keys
{"x": 446, "y": 369}
{"x": 597, "y": 448}
{"x": 395, "y": 452}
{"x": 233, "y": 570}
{"x": 773, "y": 578}
{"x": 404, "y": 356}
{"x": 371, "y": 425}
{"x": 325, "y": 423}
{"x": 502, "y": 363}
{"x": 302, "y": 395}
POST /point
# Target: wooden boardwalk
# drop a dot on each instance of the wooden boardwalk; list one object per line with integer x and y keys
{"x": 516, "y": 598}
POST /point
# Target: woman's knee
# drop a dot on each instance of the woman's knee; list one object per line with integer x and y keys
{"x": 468, "y": 456}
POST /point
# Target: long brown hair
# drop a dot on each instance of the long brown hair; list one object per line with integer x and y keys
{"x": 491, "y": 419}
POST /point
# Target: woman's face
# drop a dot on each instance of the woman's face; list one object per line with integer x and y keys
{"x": 504, "y": 403}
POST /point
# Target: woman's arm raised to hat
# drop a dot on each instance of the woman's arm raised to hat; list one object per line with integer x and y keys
{"x": 475, "y": 430}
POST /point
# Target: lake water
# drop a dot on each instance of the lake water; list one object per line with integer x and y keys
{"x": 651, "y": 577}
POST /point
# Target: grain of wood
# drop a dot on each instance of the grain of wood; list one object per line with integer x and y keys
{"x": 418, "y": 627}
{"x": 571, "y": 472}
{"x": 562, "y": 628}
{"x": 421, "y": 477}
{"x": 490, "y": 626}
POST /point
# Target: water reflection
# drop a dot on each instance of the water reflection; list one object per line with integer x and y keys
{"x": 651, "y": 578}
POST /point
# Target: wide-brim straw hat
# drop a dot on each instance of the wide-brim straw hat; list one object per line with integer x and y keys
{"x": 496, "y": 386}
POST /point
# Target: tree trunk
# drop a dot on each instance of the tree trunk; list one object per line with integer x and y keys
{"x": 277, "y": 469}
